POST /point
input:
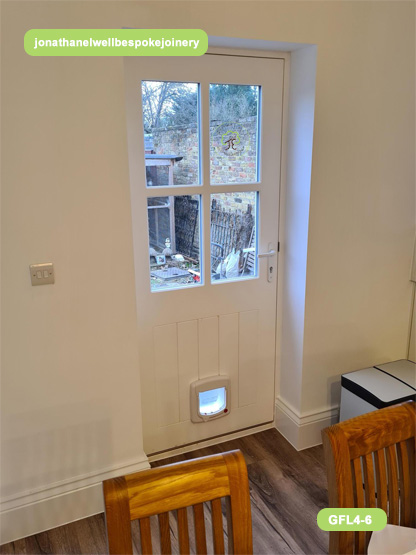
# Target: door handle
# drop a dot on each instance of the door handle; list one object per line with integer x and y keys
{"x": 269, "y": 254}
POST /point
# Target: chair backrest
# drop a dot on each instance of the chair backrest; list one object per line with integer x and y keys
{"x": 371, "y": 463}
{"x": 176, "y": 487}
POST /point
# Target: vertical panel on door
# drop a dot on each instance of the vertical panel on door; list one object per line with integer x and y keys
{"x": 248, "y": 357}
{"x": 187, "y": 364}
{"x": 208, "y": 347}
{"x": 165, "y": 345}
{"x": 228, "y": 351}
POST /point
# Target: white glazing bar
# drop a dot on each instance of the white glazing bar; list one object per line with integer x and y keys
{"x": 205, "y": 208}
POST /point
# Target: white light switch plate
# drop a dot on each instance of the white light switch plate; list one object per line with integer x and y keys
{"x": 42, "y": 274}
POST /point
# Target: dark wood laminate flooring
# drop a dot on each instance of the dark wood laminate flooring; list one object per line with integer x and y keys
{"x": 287, "y": 491}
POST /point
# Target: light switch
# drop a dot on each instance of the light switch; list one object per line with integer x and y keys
{"x": 42, "y": 274}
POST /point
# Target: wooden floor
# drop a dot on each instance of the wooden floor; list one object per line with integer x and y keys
{"x": 287, "y": 491}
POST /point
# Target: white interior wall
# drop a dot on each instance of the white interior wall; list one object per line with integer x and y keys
{"x": 412, "y": 337}
{"x": 412, "y": 341}
{"x": 362, "y": 215}
{"x": 70, "y": 386}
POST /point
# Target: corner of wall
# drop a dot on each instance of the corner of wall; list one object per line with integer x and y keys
{"x": 303, "y": 430}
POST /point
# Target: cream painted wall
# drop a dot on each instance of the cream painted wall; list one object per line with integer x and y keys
{"x": 412, "y": 344}
{"x": 70, "y": 363}
{"x": 71, "y": 411}
{"x": 362, "y": 214}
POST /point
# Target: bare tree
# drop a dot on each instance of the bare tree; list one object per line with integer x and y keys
{"x": 166, "y": 103}
{"x": 169, "y": 103}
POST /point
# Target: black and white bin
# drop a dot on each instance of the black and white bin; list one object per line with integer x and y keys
{"x": 377, "y": 387}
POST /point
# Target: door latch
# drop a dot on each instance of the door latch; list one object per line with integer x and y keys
{"x": 269, "y": 255}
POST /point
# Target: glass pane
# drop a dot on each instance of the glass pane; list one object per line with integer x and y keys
{"x": 174, "y": 241}
{"x": 233, "y": 236}
{"x": 212, "y": 401}
{"x": 233, "y": 112}
{"x": 171, "y": 135}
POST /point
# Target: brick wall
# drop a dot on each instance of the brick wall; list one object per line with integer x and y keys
{"x": 235, "y": 201}
{"x": 237, "y": 164}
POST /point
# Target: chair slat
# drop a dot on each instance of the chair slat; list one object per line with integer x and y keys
{"x": 200, "y": 536}
{"x": 359, "y": 537}
{"x": 370, "y": 493}
{"x": 229, "y": 525}
{"x": 393, "y": 485}
{"x": 145, "y": 536}
{"x": 358, "y": 479}
{"x": 381, "y": 479}
{"x": 411, "y": 448}
{"x": 165, "y": 544}
{"x": 217, "y": 527}
{"x": 369, "y": 489}
{"x": 404, "y": 483}
{"x": 183, "y": 532}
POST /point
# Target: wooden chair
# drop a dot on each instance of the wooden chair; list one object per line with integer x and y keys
{"x": 371, "y": 463}
{"x": 178, "y": 486}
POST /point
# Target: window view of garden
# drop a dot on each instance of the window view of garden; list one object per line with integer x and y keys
{"x": 233, "y": 111}
{"x": 171, "y": 133}
{"x": 174, "y": 241}
{"x": 172, "y": 158}
{"x": 233, "y": 235}
{"x": 175, "y": 245}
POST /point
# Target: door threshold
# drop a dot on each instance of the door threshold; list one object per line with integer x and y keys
{"x": 157, "y": 456}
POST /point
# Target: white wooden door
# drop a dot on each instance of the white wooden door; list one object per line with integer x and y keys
{"x": 211, "y": 170}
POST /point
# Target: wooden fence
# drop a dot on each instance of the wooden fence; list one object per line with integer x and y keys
{"x": 230, "y": 229}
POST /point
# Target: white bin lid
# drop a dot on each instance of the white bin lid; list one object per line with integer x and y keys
{"x": 403, "y": 370}
{"x": 377, "y": 387}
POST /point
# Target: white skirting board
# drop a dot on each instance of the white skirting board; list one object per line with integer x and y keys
{"x": 36, "y": 511}
{"x": 211, "y": 441}
{"x": 303, "y": 430}
{"x": 60, "y": 503}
